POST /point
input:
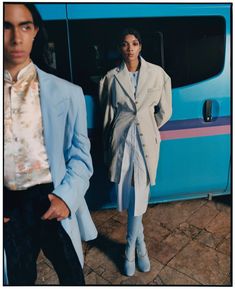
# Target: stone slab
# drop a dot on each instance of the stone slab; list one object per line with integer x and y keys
{"x": 113, "y": 230}
{"x": 209, "y": 239}
{"x": 220, "y": 225}
{"x": 170, "y": 276}
{"x": 168, "y": 248}
{"x": 100, "y": 217}
{"x": 189, "y": 230}
{"x": 155, "y": 231}
{"x": 170, "y": 215}
{"x": 203, "y": 216}
{"x": 225, "y": 247}
{"x": 94, "y": 279}
{"x": 121, "y": 217}
{"x": 202, "y": 264}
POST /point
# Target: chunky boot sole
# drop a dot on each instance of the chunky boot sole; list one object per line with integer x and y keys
{"x": 129, "y": 267}
{"x": 143, "y": 262}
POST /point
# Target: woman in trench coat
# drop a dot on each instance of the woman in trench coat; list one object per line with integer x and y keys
{"x": 136, "y": 101}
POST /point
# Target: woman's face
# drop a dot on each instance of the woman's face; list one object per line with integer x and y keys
{"x": 130, "y": 48}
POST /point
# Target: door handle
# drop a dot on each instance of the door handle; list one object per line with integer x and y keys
{"x": 207, "y": 110}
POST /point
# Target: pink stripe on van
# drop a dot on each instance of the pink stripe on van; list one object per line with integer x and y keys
{"x": 195, "y": 132}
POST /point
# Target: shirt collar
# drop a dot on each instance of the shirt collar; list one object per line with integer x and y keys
{"x": 23, "y": 73}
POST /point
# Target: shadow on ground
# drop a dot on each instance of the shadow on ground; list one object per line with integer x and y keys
{"x": 226, "y": 200}
{"x": 113, "y": 250}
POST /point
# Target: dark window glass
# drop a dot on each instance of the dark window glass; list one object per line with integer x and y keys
{"x": 190, "y": 49}
{"x": 58, "y": 48}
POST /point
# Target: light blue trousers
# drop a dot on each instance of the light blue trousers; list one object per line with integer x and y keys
{"x": 134, "y": 229}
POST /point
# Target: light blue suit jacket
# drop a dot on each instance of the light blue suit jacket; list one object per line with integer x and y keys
{"x": 68, "y": 150}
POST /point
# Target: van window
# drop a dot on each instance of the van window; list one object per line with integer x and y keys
{"x": 58, "y": 48}
{"x": 190, "y": 49}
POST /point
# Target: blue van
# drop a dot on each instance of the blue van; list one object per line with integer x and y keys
{"x": 192, "y": 43}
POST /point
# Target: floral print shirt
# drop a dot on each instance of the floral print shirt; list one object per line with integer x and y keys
{"x": 25, "y": 157}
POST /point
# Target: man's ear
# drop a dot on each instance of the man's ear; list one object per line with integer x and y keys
{"x": 36, "y": 29}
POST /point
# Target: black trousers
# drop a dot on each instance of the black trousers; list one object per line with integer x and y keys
{"x": 25, "y": 234}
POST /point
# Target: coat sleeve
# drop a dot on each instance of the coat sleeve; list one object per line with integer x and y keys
{"x": 107, "y": 111}
{"x": 78, "y": 160}
{"x": 164, "y": 107}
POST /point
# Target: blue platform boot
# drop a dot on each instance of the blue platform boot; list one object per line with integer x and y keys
{"x": 142, "y": 253}
{"x": 133, "y": 227}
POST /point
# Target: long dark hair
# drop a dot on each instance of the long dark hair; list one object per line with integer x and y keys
{"x": 39, "y": 53}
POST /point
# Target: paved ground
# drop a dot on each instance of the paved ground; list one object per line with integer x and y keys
{"x": 188, "y": 242}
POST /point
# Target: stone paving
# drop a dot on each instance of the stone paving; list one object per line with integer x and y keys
{"x": 189, "y": 243}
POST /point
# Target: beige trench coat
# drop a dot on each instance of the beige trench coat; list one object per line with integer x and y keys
{"x": 121, "y": 108}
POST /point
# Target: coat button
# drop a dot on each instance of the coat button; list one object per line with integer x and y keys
{"x": 141, "y": 134}
{"x": 146, "y": 156}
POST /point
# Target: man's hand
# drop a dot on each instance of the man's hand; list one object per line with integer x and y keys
{"x": 58, "y": 209}
{"x": 6, "y": 220}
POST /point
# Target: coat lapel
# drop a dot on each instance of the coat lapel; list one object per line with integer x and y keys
{"x": 143, "y": 77}
{"x": 123, "y": 78}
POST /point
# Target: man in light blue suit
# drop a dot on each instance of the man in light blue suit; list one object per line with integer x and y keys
{"x": 47, "y": 162}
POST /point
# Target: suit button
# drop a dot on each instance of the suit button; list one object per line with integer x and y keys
{"x": 141, "y": 134}
{"x": 138, "y": 123}
{"x": 143, "y": 144}
{"x": 136, "y": 102}
{"x": 146, "y": 156}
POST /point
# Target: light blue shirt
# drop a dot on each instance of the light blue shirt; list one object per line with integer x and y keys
{"x": 134, "y": 76}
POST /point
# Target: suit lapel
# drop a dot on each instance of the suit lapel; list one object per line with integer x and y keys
{"x": 49, "y": 100}
{"x": 45, "y": 109}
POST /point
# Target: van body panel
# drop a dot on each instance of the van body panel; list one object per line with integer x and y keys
{"x": 52, "y": 11}
{"x": 117, "y": 10}
{"x": 193, "y": 155}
